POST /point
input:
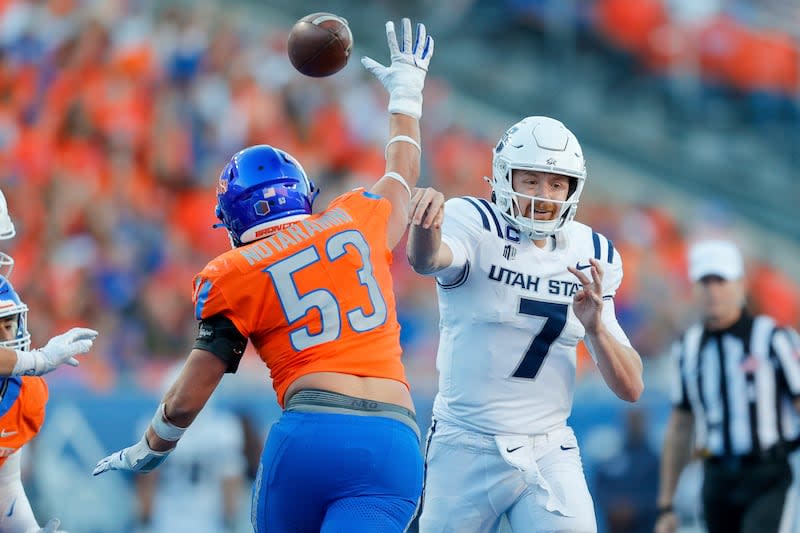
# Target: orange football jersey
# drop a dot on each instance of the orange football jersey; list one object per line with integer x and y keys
{"x": 315, "y": 295}
{"x": 21, "y": 412}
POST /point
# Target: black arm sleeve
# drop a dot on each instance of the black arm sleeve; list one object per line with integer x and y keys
{"x": 219, "y": 336}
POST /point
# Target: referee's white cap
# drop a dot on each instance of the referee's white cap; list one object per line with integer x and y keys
{"x": 715, "y": 258}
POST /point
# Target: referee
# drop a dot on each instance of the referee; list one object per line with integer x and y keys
{"x": 737, "y": 389}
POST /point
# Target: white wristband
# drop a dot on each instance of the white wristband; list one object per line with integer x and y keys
{"x": 397, "y": 177}
{"x": 400, "y": 138}
{"x": 26, "y": 364}
{"x": 165, "y": 429}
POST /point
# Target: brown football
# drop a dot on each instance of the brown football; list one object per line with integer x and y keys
{"x": 320, "y": 44}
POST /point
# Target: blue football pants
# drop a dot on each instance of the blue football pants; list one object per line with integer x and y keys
{"x": 337, "y": 473}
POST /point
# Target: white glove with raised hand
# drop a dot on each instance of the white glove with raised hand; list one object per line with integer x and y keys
{"x": 137, "y": 458}
{"x": 405, "y": 77}
{"x": 58, "y": 350}
{"x": 50, "y": 527}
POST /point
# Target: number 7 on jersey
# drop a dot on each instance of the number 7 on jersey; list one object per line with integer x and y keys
{"x": 551, "y": 319}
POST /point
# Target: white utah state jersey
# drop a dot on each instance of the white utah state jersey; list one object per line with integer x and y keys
{"x": 189, "y": 495}
{"x": 508, "y": 335}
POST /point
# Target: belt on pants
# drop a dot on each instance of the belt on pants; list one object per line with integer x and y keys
{"x": 774, "y": 454}
{"x": 322, "y": 401}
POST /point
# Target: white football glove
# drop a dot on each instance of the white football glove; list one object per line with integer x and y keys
{"x": 58, "y": 350}
{"x": 405, "y": 77}
{"x": 50, "y": 527}
{"x": 137, "y": 458}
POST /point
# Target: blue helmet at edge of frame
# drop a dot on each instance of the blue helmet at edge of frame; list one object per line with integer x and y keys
{"x": 260, "y": 187}
{"x": 12, "y": 306}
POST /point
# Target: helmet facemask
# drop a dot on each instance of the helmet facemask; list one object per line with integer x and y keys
{"x": 538, "y": 144}
{"x": 14, "y": 310}
{"x": 507, "y": 199}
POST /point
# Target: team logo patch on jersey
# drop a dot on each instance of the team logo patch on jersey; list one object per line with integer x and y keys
{"x": 512, "y": 234}
{"x": 504, "y": 139}
{"x": 206, "y": 331}
{"x": 509, "y": 252}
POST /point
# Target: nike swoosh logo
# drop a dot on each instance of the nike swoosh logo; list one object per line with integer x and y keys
{"x": 4, "y": 433}
{"x": 579, "y": 266}
{"x": 11, "y": 511}
{"x": 510, "y": 450}
{"x": 565, "y": 448}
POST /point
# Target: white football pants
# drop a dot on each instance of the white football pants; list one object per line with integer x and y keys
{"x": 536, "y": 481}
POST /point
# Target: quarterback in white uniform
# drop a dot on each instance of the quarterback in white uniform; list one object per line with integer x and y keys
{"x": 520, "y": 283}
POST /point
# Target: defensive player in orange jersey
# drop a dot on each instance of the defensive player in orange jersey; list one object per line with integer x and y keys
{"x": 22, "y": 409}
{"x": 313, "y": 293}
{"x": 23, "y": 394}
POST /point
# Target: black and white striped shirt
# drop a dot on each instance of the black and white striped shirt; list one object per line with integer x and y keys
{"x": 739, "y": 384}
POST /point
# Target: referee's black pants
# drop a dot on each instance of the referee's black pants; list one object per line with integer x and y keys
{"x": 745, "y": 497}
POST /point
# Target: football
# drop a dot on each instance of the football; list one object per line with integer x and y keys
{"x": 320, "y": 44}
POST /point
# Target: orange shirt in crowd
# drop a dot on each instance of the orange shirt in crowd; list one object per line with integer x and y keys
{"x": 629, "y": 24}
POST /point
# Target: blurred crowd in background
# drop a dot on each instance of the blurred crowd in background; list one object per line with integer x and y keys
{"x": 744, "y": 50}
{"x": 114, "y": 124}
{"x": 116, "y": 117}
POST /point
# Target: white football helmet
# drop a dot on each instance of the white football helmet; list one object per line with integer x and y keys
{"x": 6, "y": 232}
{"x": 543, "y": 144}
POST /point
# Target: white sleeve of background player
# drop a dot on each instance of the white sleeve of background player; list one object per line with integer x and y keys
{"x": 786, "y": 343}
{"x": 461, "y": 231}
{"x": 16, "y": 515}
{"x": 677, "y": 388}
{"x": 230, "y": 455}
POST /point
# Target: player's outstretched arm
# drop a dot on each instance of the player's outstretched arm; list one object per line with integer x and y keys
{"x": 675, "y": 457}
{"x": 59, "y": 350}
{"x": 403, "y": 79}
{"x": 184, "y": 400}
{"x": 426, "y": 252}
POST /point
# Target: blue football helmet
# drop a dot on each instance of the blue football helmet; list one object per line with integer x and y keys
{"x": 259, "y": 188}
{"x": 12, "y": 309}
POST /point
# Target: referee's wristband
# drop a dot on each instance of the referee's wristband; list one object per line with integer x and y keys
{"x": 661, "y": 510}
